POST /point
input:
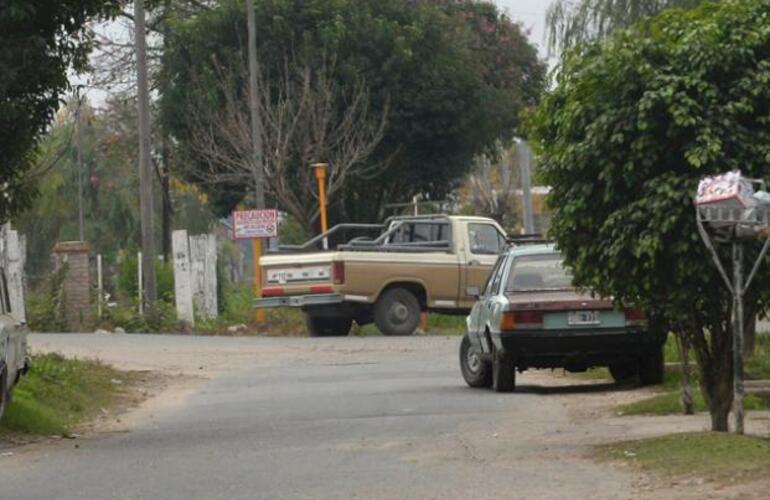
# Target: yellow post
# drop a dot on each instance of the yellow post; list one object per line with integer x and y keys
{"x": 257, "y": 248}
{"x": 320, "y": 175}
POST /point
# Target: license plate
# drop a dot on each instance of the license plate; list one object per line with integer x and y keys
{"x": 583, "y": 318}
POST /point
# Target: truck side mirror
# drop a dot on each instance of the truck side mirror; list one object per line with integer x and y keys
{"x": 473, "y": 291}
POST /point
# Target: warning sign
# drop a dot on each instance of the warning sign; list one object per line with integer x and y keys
{"x": 251, "y": 224}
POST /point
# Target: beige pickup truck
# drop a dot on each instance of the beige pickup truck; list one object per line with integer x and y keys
{"x": 414, "y": 264}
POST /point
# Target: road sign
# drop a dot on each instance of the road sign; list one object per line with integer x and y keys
{"x": 252, "y": 224}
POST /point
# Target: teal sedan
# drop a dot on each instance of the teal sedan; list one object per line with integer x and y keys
{"x": 529, "y": 315}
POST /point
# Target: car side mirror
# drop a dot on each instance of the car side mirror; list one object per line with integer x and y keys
{"x": 473, "y": 291}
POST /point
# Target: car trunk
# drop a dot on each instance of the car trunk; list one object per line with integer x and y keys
{"x": 565, "y": 310}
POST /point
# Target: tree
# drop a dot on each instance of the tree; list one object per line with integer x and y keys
{"x": 626, "y": 134}
{"x": 41, "y": 40}
{"x": 307, "y": 120}
{"x": 571, "y": 23}
{"x": 420, "y": 62}
{"x": 490, "y": 188}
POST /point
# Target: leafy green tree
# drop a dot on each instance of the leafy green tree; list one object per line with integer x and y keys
{"x": 449, "y": 96}
{"x": 570, "y": 23}
{"x": 625, "y": 136}
{"x": 41, "y": 40}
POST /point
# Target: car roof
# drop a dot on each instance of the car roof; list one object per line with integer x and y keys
{"x": 521, "y": 250}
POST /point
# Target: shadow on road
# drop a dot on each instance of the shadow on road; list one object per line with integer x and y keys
{"x": 586, "y": 388}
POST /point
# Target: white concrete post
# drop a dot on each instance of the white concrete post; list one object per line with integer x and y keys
{"x": 203, "y": 254}
{"x": 15, "y": 275}
{"x": 99, "y": 287}
{"x": 183, "y": 289}
{"x": 139, "y": 282}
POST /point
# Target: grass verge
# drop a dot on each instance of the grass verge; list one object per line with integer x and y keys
{"x": 712, "y": 455}
{"x": 59, "y": 393}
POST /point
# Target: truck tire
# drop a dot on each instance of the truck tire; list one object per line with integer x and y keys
{"x": 623, "y": 371}
{"x": 503, "y": 375}
{"x": 476, "y": 371}
{"x": 325, "y": 326}
{"x": 652, "y": 367}
{"x": 397, "y": 312}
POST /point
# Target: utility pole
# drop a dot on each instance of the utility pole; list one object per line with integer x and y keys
{"x": 81, "y": 215}
{"x": 256, "y": 120}
{"x": 525, "y": 159}
{"x": 146, "y": 201}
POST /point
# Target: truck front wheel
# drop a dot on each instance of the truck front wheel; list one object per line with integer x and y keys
{"x": 325, "y": 326}
{"x": 397, "y": 312}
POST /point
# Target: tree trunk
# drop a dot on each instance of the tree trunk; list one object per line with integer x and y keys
{"x": 683, "y": 344}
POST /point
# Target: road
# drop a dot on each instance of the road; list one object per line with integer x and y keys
{"x": 335, "y": 418}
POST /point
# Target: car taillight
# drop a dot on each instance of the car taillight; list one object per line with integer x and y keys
{"x": 338, "y": 270}
{"x": 512, "y": 320}
{"x": 635, "y": 315}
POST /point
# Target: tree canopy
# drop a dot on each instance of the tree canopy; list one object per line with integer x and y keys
{"x": 626, "y": 134}
{"x": 452, "y": 79}
{"x": 40, "y": 40}
{"x": 570, "y": 23}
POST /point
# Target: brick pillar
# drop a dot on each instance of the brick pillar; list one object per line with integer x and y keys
{"x": 77, "y": 282}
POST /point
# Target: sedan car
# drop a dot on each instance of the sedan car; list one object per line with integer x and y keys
{"x": 14, "y": 361}
{"x": 529, "y": 315}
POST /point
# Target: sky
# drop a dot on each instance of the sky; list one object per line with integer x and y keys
{"x": 531, "y": 13}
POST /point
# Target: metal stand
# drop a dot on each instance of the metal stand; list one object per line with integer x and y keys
{"x": 733, "y": 226}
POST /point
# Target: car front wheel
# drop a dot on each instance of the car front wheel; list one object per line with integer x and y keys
{"x": 476, "y": 371}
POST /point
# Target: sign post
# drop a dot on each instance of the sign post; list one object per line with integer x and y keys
{"x": 256, "y": 225}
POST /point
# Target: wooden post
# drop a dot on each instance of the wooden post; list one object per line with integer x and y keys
{"x": 320, "y": 175}
{"x": 139, "y": 281}
{"x": 99, "y": 287}
{"x": 257, "y": 247}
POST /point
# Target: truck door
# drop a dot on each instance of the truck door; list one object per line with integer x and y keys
{"x": 484, "y": 243}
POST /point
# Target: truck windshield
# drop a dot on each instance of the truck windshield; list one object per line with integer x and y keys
{"x": 538, "y": 272}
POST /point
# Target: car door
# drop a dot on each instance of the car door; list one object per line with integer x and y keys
{"x": 485, "y": 241}
{"x": 484, "y": 306}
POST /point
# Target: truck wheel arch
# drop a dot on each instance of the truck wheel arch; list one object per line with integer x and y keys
{"x": 417, "y": 287}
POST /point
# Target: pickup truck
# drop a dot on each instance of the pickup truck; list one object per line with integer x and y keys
{"x": 416, "y": 264}
{"x": 14, "y": 361}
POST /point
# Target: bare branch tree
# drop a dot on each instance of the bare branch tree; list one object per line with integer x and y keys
{"x": 307, "y": 118}
{"x": 492, "y": 184}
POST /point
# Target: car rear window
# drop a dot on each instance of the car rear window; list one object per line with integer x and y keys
{"x": 538, "y": 272}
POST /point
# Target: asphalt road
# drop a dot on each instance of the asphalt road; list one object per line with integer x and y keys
{"x": 369, "y": 418}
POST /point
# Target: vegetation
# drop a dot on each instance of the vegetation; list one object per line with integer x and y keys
{"x": 42, "y": 40}
{"x": 422, "y": 68}
{"x": 625, "y": 136}
{"x": 706, "y": 455}
{"x": 572, "y": 23}
{"x": 58, "y": 394}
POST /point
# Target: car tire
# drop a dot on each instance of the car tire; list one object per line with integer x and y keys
{"x": 503, "y": 375}
{"x": 326, "y": 326}
{"x": 397, "y": 312}
{"x": 652, "y": 368}
{"x": 623, "y": 372}
{"x": 476, "y": 371}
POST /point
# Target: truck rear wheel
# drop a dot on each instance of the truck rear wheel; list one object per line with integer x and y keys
{"x": 327, "y": 326}
{"x": 397, "y": 312}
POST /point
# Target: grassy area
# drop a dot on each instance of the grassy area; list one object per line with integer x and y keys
{"x": 712, "y": 455}
{"x": 667, "y": 402}
{"x": 59, "y": 393}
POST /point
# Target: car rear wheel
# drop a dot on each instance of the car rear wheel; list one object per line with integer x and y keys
{"x": 397, "y": 312}
{"x": 623, "y": 372}
{"x": 325, "y": 326}
{"x": 476, "y": 371}
{"x": 652, "y": 367}
{"x": 503, "y": 375}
